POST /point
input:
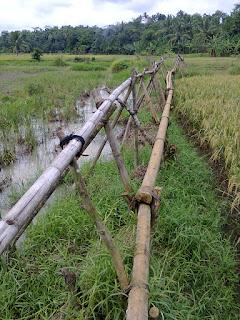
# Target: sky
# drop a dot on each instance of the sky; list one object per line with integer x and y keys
{"x": 30, "y": 14}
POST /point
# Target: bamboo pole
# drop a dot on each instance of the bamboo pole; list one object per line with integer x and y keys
{"x": 136, "y": 142}
{"x": 89, "y": 207}
{"x": 115, "y": 149}
{"x": 141, "y": 99}
{"x": 23, "y": 211}
{"x": 138, "y": 296}
{"x": 115, "y": 120}
{"x": 148, "y": 98}
{"x": 144, "y": 194}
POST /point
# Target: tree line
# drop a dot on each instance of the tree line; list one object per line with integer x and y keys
{"x": 157, "y": 34}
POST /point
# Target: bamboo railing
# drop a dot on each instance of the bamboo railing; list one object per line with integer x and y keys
{"x": 148, "y": 196}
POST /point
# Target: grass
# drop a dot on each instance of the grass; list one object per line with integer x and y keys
{"x": 193, "y": 270}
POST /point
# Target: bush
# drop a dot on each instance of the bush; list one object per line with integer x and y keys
{"x": 119, "y": 65}
{"x": 58, "y": 62}
{"x": 81, "y": 59}
{"x": 36, "y": 54}
{"x": 34, "y": 88}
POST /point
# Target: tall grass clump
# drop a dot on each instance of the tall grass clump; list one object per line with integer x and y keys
{"x": 59, "y": 62}
{"x": 119, "y": 65}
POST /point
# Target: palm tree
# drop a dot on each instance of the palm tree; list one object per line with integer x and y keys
{"x": 16, "y": 40}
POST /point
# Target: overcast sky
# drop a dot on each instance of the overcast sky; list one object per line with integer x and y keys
{"x": 28, "y": 14}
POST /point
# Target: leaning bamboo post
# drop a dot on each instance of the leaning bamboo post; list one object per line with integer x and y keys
{"x": 89, "y": 207}
{"x": 141, "y": 99}
{"x": 24, "y": 210}
{"x": 148, "y": 98}
{"x": 161, "y": 90}
{"x": 115, "y": 149}
{"x": 138, "y": 296}
{"x": 114, "y": 122}
{"x": 136, "y": 141}
{"x": 126, "y": 131}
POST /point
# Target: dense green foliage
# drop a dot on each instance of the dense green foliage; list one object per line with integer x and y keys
{"x": 36, "y": 54}
{"x": 183, "y": 33}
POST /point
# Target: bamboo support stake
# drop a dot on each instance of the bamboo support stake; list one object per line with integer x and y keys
{"x": 89, "y": 207}
{"x": 23, "y": 211}
{"x": 138, "y": 296}
{"x": 136, "y": 142}
{"x": 115, "y": 149}
{"x": 115, "y": 120}
{"x": 126, "y": 131}
{"x": 139, "y": 101}
{"x": 160, "y": 88}
{"x": 148, "y": 98}
{"x": 118, "y": 158}
{"x": 155, "y": 204}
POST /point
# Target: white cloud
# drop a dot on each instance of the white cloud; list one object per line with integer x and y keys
{"x": 25, "y": 14}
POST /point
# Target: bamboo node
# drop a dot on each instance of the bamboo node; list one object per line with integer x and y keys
{"x": 140, "y": 285}
{"x": 154, "y": 313}
{"x": 144, "y": 195}
{"x": 10, "y": 221}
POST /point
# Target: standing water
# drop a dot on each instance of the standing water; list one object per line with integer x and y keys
{"x": 27, "y": 168}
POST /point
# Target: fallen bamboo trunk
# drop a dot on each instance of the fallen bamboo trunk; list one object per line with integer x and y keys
{"x": 23, "y": 211}
{"x": 138, "y": 296}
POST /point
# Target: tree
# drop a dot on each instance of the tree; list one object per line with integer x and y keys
{"x": 36, "y": 54}
{"x": 16, "y": 40}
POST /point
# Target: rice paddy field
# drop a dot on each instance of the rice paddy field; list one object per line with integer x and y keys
{"x": 211, "y": 103}
{"x": 194, "y": 258}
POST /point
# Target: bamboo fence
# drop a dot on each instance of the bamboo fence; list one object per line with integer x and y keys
{"x": 147, "y": 197}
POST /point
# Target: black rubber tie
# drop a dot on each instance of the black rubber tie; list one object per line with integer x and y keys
{"x": 66, "y": 139}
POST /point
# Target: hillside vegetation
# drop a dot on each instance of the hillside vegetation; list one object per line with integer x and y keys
{"x": 216, "y": 33}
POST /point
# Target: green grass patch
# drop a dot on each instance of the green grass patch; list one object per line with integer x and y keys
{"x": 87, "y": 67}
{"x": 192, "y": 265}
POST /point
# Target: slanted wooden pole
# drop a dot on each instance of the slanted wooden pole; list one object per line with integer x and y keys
{"x": 148, "y": 98}
{"x": 115, "y": 149}
{"x": 136, "y": 142}
{"x": 160, "y": 88}
{"x": 140, "y": 101}
{"x": 114, "y": 122}
{"x": 89, "y": 207}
